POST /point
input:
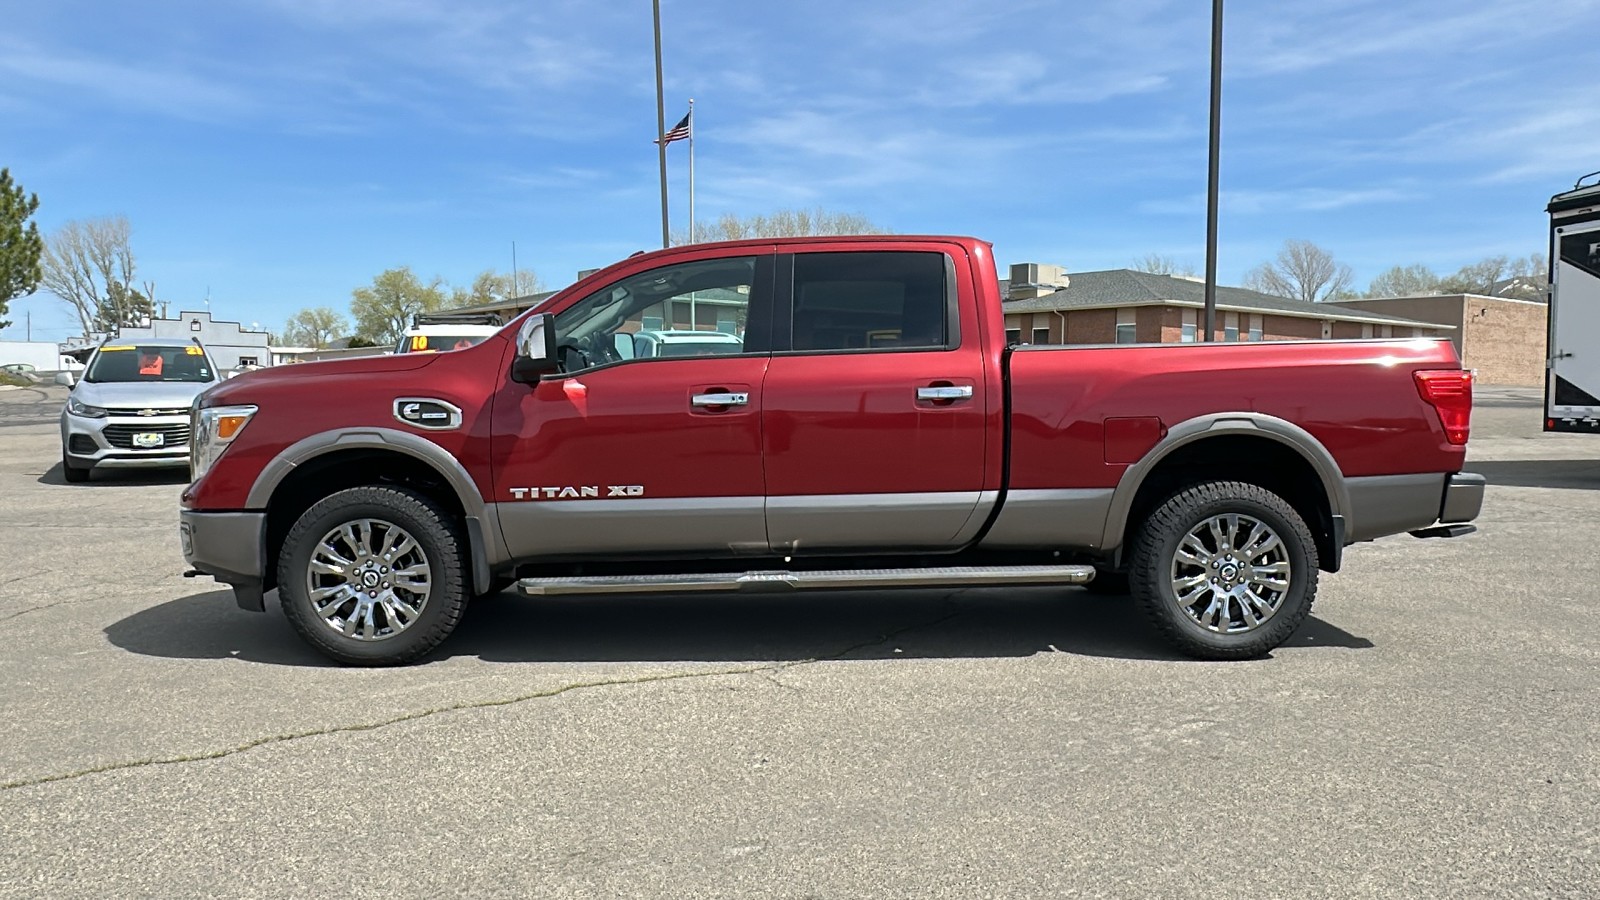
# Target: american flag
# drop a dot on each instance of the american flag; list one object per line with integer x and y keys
{"x": 679, "y": 131}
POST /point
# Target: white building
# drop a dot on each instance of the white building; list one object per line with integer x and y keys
{"x": 230, "y": 344}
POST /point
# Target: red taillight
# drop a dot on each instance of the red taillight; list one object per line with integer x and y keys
{"x": 1450, "y": 392}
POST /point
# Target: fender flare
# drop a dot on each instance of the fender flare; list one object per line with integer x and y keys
{"x": 1200, "y": 428}
{"x": 483, "y": 529}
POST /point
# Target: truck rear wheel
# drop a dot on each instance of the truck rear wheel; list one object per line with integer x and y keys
{"x": 1224, "y": 570}
{"x": 372, "y": 576}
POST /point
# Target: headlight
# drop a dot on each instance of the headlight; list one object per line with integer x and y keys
{"x": 79, "y": 408}
{"x": 211, "y": 430}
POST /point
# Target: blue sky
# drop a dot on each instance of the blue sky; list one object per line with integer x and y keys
{"x": 281, "y": 153}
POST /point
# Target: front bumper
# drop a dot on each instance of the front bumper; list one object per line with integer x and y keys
{"x": 123, "y": 441}
{"x": 230, "y": 547}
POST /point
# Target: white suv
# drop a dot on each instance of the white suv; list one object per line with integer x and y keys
{"x": 132, "y": 408}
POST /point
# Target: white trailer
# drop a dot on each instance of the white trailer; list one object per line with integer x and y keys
{"x": 1572, "y": 381}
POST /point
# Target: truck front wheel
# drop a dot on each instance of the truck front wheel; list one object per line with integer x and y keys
{"x": 372, "y": 576}
{"x": 1224, "y": 570}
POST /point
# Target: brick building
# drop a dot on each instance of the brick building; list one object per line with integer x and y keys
{"x": 1503, "y": 339}
{"x": 1045, "y": 305}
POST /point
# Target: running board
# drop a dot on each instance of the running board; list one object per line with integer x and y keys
{"x": 1445, "y": 531}
{"x": 964, "y": 576}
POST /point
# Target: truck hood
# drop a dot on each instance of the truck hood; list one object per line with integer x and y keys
{"x": 140, "y": 394}
{"x": 239, "y": 387}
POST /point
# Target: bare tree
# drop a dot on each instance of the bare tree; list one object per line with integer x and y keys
{"x": 1480, "y": 277}
{"x": 496, "y": 287}
{"x": 1301, "y": 271}
{"x": 1159, "y": 264}
{"x": 1404, "y": 281}
{"x": 783, "y": 223}
{"x": 1522, "y": 278}
{"x": 90, "y": 266}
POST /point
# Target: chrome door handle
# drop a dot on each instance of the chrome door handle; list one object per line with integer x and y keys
{"x": 724, "y": 399}
{"x": 948, "y": 392}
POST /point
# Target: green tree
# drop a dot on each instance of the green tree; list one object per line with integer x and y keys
{"x": 1404, "y": 281}
{"x": 122, "y": 305}
{"x": 315, "y": 327}
{"x": 383, "y": 310}
{"x": 782, "y": 223}
{"x": 20, "y": 245}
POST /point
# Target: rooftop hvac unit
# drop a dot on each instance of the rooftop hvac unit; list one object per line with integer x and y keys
{"x": 1036, "y": 279}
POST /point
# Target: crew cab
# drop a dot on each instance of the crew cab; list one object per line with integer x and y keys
{"x": 874, "y": 429}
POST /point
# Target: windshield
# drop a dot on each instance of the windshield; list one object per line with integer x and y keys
{"x": 434, "y": 343}
{"x": 131, "y": 362}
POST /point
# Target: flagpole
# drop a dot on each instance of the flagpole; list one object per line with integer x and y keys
{"x": 661, "y": 126}
{"x": 691, "y": 170}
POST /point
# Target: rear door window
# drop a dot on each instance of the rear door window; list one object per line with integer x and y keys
{"x": 872, "y": 300}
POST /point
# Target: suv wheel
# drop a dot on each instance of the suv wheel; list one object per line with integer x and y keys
{"x": 373, "y": 576}
{"x": 1225, "y": 570}
{"x": 73, "y": 474}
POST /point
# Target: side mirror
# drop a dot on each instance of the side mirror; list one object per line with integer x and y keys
{"x": 65, "y": 379}
{"x": 536, "y": 349}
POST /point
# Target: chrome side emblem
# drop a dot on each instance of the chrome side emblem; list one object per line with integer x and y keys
{"x": 426, "y": 412}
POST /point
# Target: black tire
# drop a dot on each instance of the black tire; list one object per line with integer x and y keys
{"x": 1151, "y": 571}
{"x": 73, "y": 474}
{"x": 1108, "y": 583}
{"x": 440, "y": 542}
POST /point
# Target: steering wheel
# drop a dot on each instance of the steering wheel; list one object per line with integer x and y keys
{"x": 595, "y": 350}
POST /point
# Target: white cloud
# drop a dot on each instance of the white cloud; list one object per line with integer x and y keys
{"x": 171, "y": 90}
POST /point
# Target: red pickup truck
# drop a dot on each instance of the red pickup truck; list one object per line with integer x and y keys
{"x": 872, "y": 429}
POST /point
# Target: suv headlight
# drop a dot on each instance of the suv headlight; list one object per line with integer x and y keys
{"x": 211, "y": 430}
{"x": 79, "y": 408}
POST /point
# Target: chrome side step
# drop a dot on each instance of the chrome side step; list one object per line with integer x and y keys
{"x": 965, "y": 576}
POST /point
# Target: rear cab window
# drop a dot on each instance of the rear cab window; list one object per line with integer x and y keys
{"x": 873, "y": 300}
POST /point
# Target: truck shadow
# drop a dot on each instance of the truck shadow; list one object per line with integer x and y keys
{"x": 980, "y": 623}
{"x": 119, "y": 478}
{"x": 1580, "y": 474}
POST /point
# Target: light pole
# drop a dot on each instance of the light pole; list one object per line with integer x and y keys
{"x": 661, "y": 126}
{"x": 1211, "y": 184}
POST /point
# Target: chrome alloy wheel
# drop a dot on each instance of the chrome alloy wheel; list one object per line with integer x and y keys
{"x": 368, "y": 579}
{"x": 1230, "y": 573}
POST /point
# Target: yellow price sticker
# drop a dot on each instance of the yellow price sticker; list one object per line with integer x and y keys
{"x": 419, "y": 342}
{"x": 194, "y": 351}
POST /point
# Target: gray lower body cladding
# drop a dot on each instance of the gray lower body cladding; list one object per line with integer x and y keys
{"x": 1392, "y": 504}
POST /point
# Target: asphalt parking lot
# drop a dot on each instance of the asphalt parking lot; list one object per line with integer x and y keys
{"x": 1433, "y": 730}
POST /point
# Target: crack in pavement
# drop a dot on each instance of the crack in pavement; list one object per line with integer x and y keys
{"x": 114, "y": 583}
{"x": 766, "y": 669}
